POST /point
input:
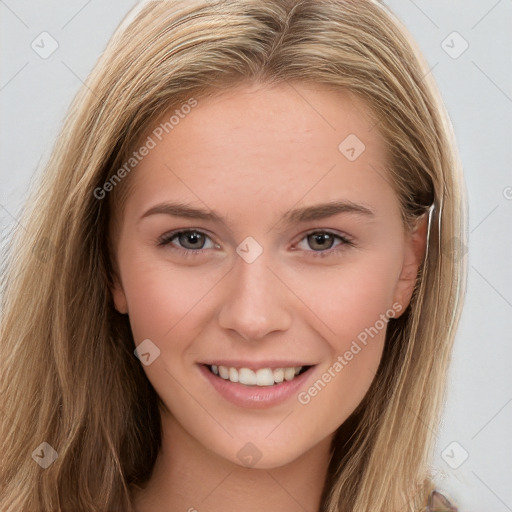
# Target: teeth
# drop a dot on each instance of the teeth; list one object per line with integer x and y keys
{"x": 233, "y": 375}
{"x": 247, "y": 377}
{"x": 289, "y": 373}
{"x": 262, "y": 377}
{"x": 278, "y": 375}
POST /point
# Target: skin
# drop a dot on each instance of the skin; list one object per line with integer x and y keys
{"x": 251, "y": 154}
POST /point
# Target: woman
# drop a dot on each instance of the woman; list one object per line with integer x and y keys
{"x": 143, "y": 372}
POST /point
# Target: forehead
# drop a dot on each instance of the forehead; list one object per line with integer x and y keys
{"x": 266, "y": 145}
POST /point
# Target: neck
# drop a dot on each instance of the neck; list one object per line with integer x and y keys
{"x": 190, "y": 478}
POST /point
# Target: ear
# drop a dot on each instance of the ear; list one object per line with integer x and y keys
{"x": 414, "y": 252}
{"x": 120, "y": 302}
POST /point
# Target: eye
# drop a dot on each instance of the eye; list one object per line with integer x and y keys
{"x": 322, "y": 243}
{"x": 191, "y": 241}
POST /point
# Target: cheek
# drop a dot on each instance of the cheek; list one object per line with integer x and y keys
{"x": 356, "y": 309}
{"x": 352, "y": 306}
{"x": 352, "y": 297}
{"x": 163, "y": 299}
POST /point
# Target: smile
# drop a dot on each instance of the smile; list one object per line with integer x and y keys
{"x": 260, "y": 377}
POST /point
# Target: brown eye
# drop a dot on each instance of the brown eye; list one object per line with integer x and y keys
{"x": 191, "y": 240}
{"x": 186, "y": 240}
{"x": 323, "y": 243}
{"x": 321, "y": 240}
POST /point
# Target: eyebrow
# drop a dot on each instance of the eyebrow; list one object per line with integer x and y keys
{"x": 298, "y": 215}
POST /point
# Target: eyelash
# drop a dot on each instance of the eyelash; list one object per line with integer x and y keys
{"x": 166, "y": 239}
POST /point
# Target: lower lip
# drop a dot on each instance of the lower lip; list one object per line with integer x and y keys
{"x": 256, "y": 397}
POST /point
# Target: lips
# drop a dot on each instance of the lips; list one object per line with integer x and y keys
{"x": 254, "y": 395}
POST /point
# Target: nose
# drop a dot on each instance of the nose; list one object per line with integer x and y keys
{"x": 256, "y": 301}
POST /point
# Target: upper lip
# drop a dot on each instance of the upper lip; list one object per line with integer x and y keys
{"x": 256, "y": 365}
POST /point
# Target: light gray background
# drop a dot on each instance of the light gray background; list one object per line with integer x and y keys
{"x": 477, "y": 89}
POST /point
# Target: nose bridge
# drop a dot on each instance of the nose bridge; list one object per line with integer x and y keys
{"x": 255, "y": 303}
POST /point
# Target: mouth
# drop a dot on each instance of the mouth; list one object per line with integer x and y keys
{"x": 262, "y": 377}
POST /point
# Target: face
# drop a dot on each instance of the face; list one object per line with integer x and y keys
{"x": 261, "y": 238}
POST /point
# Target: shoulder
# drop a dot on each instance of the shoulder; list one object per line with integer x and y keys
{"x": 438, "y": 502}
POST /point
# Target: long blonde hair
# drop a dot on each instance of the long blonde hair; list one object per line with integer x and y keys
{"x": 68, "y": 373}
